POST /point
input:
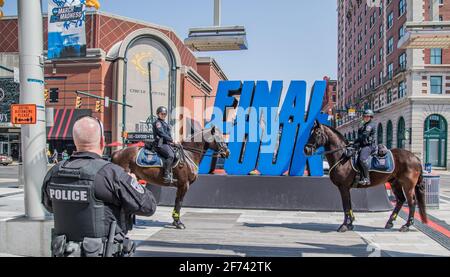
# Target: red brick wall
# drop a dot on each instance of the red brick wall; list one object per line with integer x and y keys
{"x": 90, "y": 79}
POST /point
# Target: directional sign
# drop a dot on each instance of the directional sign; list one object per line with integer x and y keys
{"x": 23, "y": 113}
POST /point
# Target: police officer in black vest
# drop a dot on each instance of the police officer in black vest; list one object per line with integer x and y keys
{"x": 163, "y": 140}
{"x": 94, "y": 202}
{"x": 366, "y": 142}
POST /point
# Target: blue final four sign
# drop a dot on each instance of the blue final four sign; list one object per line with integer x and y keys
{"x": 265, "y": 135}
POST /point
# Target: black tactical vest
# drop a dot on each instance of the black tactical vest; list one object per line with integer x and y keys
{"x": 77, "y": 213}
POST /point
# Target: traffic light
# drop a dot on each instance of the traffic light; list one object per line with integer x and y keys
{"x": 54, "y": 95}
{"x": 45, "y": 92}
{"x": 92, "y": 3}
{"x": 78, "y": 102}
{"x": 98, "y": 106}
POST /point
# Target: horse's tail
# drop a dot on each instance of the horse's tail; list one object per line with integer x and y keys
{"x": 420, "y": 196}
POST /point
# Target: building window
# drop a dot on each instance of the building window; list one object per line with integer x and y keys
{"x": 401, "y": 89}
{"x": 381, "y": 54}
{"x": 401, "y": 133}
{"x": 436, "y": 56}
{"x": 390, "y": 20}
{"x": 390, "y": 46}
{"x": 389, "y": 96}
{"x": 380, "y": 133}
{"x": 402, "y": 60}
{"x": 390, "y": 71}
{"x": 380, "y": 35}
{"x": 389, "y": 135}
{"x": 401, "y": 32}
{"x": 436, "y": 84}
{"x": 401, "y": 7}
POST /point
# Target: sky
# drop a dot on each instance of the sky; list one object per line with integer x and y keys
{"x": 287, "y": 39}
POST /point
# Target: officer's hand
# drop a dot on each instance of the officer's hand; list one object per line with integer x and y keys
{"x": 132, "y": 175}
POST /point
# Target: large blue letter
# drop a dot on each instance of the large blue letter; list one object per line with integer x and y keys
{"x": 291, "y": 114}
{"x": 299, "y": 159}
{"x": 244, "y": 142}
{"x": 224, "y": 99}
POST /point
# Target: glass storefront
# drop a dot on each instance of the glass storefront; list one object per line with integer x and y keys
{"x": 10, "y": 143}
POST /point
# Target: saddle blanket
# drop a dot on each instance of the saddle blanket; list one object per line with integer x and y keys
{"x": 383, "y": 164}
{"x": 147, "y": 158}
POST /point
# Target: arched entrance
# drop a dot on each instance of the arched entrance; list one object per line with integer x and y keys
{"x": 142, "y": 51}
{"x": 435, "y": 140}
{"x": 401, "y": 134}
{"x": 380, "y": 133}
{"x": 389, "y": 135}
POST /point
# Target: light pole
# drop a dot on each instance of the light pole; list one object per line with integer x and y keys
{"x": 33, "y": 137}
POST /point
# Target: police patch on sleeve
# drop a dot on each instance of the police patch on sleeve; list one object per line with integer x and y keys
{"x": 137, "y": 186}
{"x": 158, "y": 124}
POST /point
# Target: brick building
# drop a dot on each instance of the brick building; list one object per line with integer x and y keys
{"x": 119, "y": 50}
{"x": 330, "y": 98}
{"x": 409, "y": 89}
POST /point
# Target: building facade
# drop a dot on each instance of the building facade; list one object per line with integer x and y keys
{"x": 126, "y": 58}
{"x": 409, "y": 89}
{"x": 330, "y": 98}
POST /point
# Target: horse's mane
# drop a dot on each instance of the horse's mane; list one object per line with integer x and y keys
{"x": 337, "y": 133}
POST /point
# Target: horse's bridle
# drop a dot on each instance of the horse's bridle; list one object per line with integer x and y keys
{"x": 221, "y": 145}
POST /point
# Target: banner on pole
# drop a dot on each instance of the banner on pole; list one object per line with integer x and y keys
{"x": 66, "y": 29}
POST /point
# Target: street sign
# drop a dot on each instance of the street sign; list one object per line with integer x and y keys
{"x": 139, "y": 136}
{"x": 351, "y": 112}
{"x": 23, "y": 113}
{"x": 16, "y": 75}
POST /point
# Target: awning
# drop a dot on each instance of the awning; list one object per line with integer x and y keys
{"x": 63, "y": 123}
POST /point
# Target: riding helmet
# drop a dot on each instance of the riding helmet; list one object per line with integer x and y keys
{"x": 161, "y": 109}
{"x": 368, "y": 113}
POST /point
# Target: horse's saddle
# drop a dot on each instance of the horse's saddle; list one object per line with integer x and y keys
{"x": 149, "y": 158}
{"x": 381, "y": 160}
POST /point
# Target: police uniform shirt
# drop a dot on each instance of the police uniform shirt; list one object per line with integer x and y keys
{"x": 115, "y": 187}
{"x": 366, "y": 133}
{"x": 162, "y": 130}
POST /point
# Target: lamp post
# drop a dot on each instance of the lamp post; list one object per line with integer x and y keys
{"x": 31, "y": 92}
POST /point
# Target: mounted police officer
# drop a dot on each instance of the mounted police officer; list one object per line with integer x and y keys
{"x": 94, "y": 202}
{"x": 366, "y": 143}
{"x": 164, "y": 141}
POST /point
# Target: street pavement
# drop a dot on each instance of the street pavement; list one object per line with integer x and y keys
{"x": 232, "y": 232}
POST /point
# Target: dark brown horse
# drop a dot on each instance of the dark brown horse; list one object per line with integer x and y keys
{"x": 192, "y": 151}
{"x": 406, "y": 179}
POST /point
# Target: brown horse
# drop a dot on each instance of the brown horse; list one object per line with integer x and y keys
{"x": 186, "y": 172}
{"x": 406, "y": 179}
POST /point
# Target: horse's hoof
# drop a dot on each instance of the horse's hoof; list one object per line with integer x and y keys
{"x": 389, "y": 225}
{"x": 404, "y": 229}
{"x": 344, "y": 228}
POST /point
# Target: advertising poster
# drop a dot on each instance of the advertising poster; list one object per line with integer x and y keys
{"x": 66, "y": 29}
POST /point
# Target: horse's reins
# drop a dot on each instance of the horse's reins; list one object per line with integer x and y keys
{"x": 332, "y": 152}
